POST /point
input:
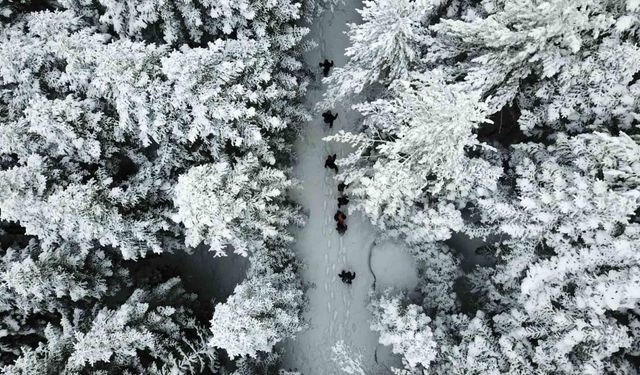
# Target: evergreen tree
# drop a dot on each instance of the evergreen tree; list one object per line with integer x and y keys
{"x": 567, "y": 64}
{"x": 240, "y": 205}
{"x": 123, "y": 121}
{"x": 383, "y": 47}
{"x": 410, "y": 170}
{"x": 112, "y": 340}
{"x": 264, "y": 309}
{"x": 406, "y": 328}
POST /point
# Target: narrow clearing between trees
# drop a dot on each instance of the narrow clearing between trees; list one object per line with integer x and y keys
{"x": 337, "y": 311}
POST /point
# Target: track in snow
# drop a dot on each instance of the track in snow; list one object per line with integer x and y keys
{"x": 336, "y": 311}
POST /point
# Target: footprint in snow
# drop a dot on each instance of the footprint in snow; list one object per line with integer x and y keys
{"x": 353, "y": 328}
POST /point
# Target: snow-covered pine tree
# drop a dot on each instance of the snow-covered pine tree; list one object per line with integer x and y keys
{"x": 45, "y": 281}
{"x": 410, "y": 171}
{"x": 566, "y": 286}
{"x": 150, "y": 333}
{"x": 123, "y": 121}
{"x": 265, "y": 308}
{"x": 239, "y": 205}
{"x": 566, "y": 64}
{"x": 37, "y": 285}
{"x": 98, "y": 124}
{"x": 264, "y": 363}
{"x": 469, "y": 345}
{"x": 349, "y": 361}
{"x": 193, "y": 22}
{"x": 383, "y": 47}
{"x": 11, "y": 9}
{"x": 406, "y": 328}
{"x": 438, "y": 270}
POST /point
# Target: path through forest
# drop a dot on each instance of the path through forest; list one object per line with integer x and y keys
{"x": 336, "y": 311}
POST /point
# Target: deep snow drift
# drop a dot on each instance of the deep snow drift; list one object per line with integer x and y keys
{"x": 337, "y": 311}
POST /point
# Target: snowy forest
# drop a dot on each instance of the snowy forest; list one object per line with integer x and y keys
{"x": 164, "y": 208}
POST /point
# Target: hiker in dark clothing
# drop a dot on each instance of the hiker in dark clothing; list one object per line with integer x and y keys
{"x": 329, "y": 118}
{"x": 343, "y": 201}
{"x": 347, "y": 277}
{"x": 326, "y": 65}
{"x": 341, "y": 227}
{"x": 331, "y": 162}
{"x": 340, "y": 217}
{"x": 341, "y": 187}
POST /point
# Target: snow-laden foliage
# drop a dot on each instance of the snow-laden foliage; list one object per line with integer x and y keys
{"x": 558, "y": 292}
{"x": 239, "y": 205}
{"x": 410, "y": 171}
{"x": 405, "y": 327}
{"x": 573, "y": 265}
{"x": 438, "y": 270}
{"x": 189, "y": 21}
{"x": 263, "y": 310}
{"x": 121, "y": 123}
{"x": 111, "y": 339}
{"x": 36, "y": 281}
{"x": 468, "y": 345}
{"x": 566, "y": 63}
{"x": 62, "y": 311}
{"x": 563, "y": 296}
{"x": 97, "y": 132}
{"x": 264, "y": 363}
{"x": 11, "y": 9}
{"x": 382, "y": 47}
{"x": 348, "y": 361}
{"x": 36, "y": 285}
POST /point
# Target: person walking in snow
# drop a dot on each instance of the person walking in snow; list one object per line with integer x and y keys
{"x": 347, "y": 277}
{"x": 329, "y": 118}
{"x": 343, "y": 201}
{"x": 341, "y": 187}
{"x": 340, "y": 217}
{"x": 341, "y": 227}
{"x": 326, "y": 65}
{"x": 331, "y": 162}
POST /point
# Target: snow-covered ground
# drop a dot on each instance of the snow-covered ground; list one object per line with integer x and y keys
{"x": 337, "y": 311}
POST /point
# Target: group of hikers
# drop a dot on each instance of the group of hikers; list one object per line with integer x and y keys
{"x": 340, "y": 217}
{"x": 341, "y": 226}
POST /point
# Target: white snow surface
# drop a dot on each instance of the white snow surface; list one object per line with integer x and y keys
{"x": 337, "y": 311}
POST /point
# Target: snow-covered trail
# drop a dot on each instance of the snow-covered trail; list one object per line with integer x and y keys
{"x": 336, "y": 311}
